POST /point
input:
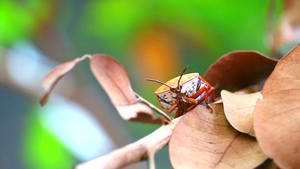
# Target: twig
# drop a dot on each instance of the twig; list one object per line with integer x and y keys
{"x": 134, "y": 152}
{"x": 151, "y": 160}
{"x": 167, "y": 117}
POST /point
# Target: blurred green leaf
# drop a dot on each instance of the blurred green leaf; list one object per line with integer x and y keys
{"x": 18, "y": 19}
{"x": 219, "y": 24}
{"x": 41, "y": 150}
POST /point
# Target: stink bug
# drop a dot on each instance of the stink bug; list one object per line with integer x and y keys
{"x": 183, "y": 93}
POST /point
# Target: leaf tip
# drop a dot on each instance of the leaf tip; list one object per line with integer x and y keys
{"x": 44, "y": 99}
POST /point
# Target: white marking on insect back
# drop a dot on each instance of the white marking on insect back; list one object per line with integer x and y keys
{"x": 190, "y": 87}
{"x": 165, "y": 105}
{"x": 168, "y": 98}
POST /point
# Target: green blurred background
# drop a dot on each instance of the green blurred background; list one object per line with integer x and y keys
{"x": 153, "y": 39}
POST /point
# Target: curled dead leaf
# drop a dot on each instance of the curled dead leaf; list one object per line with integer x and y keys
{"x": 202, "y": 139}
{"x": 237, "y": 70}
{"x": 56, "y": 74}
{"x": 239, "y": 110}
{"x": 115, "y": 81}
{"x": 277, "y": 115}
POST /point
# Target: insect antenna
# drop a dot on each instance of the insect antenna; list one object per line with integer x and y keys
{"x": 181, "y": 76}
{"x": 153, "y": 80}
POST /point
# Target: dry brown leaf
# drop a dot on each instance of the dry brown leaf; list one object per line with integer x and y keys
{"x": 115, "y": 81}
{"x": 202, "y": 139}
{"x": 239, "y": 110}
{"x": 277, "y": 115}
{"x": 237, "y": 70}
{"x": 56, "y": 74}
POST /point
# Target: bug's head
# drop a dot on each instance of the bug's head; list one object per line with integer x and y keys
{"x": 176, "y": 89}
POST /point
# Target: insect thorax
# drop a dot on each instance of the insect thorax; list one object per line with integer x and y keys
{"x": 189, "y": 89}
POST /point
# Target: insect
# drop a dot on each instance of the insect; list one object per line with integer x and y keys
{"x": 184, "y": 93}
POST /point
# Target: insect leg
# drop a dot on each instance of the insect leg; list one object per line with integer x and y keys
{"x": 192, "y": 107}
{"x": 179, "y": 112}
{"x": 172, "y": 108}
{"x": 211, "y": 93}
{"x": 200, "y": 91}
{"x": 193, "y": 99}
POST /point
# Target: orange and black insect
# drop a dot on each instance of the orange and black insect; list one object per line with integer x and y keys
{"x": 184, "y": 93}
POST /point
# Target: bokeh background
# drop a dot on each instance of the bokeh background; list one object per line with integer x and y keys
{"x": 153, "y": 39}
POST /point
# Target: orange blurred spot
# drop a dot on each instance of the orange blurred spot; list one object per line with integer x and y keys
{"x": 157, "y": 54}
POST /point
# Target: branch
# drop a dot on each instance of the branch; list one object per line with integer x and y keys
{"x": 134, "y": 152}
{"x": 166, "y": 116}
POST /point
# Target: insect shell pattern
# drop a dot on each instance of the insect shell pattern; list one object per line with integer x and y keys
{"x": 168, "y": 98}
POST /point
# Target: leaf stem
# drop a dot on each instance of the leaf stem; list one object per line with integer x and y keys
{"x": 166, "y": 116}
